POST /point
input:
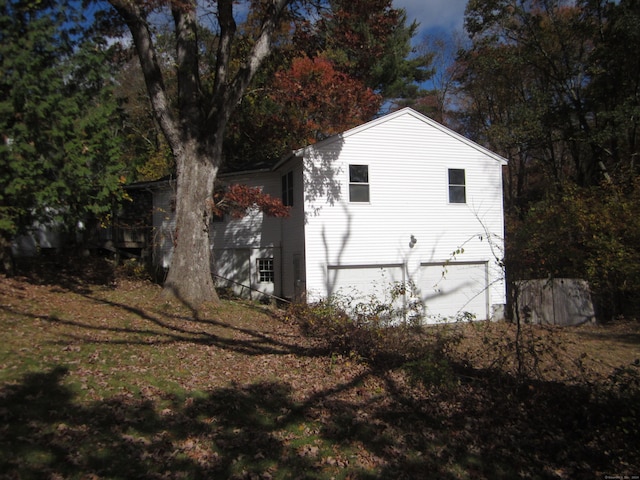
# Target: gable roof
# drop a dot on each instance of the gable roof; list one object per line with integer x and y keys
{"x": 334, "y": 138}
{"x": 390, "y": 117}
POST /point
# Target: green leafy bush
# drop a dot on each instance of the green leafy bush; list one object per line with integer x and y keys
{"x": 591, "y": 233}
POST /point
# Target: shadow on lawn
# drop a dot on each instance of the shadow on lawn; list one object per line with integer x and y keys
{"x": 197, "y": 330}
{"x": 259, "y": 431}
{"x": 164, "y": 329}
{"x": 482, "y": 425}
{"x": 69, "y": 272}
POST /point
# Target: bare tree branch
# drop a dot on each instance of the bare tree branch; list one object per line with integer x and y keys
{"x": 184, "y": 14}
{"x": 135, "y": 18}
{"x": 228, "y": 97}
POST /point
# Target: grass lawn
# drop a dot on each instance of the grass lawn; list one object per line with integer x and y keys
{"x": 105, "y": 380}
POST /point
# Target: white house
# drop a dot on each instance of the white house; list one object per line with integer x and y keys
{"x": 398, "y": 199}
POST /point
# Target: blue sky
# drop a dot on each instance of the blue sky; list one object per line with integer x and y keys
{"x": 434, "y": 15}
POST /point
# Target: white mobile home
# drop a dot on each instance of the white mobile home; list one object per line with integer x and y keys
{"x": 398, "y": 199}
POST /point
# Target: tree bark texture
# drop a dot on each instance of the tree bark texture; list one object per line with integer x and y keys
{"x": 189, "y": 278}
{"x": 195, "y": 130}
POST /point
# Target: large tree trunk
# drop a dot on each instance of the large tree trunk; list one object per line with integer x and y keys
{"x": 189, "y": 277}
{"x": 195, "y": 130}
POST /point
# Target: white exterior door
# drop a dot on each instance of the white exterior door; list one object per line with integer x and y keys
{"x": 454, "y": 289}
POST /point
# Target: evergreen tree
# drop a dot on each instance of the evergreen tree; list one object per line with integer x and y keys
{"x": 60, "y": 149}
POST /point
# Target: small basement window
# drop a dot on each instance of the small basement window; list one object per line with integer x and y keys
{"x": 266, "y": 272}
{"x": 457, "y": 186}
{"x": 359, "y": 183}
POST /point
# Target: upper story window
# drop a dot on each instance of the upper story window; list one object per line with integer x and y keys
{"x": 358, "y": 183}
{"x": 287, "y": 189}
{"x": 457, "y": 186}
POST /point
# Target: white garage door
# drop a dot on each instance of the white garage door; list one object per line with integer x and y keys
{"x": 448, "y": 291}
{"x": 360, "y": 283}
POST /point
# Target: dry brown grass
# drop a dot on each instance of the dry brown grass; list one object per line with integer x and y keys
{"x": 101, "y": 379}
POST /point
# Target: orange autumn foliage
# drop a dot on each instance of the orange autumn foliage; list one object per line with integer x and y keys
{"x": 320, "y": 100}
{"x": 236, "y": 200}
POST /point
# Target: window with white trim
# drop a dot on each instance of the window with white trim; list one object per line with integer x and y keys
{"x": 266, "y": 272}
{"x": 359, "y": 183}
{"x": 457, "y": 186}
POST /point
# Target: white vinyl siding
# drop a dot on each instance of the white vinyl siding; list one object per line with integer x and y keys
{"x": 292, "y": 237}
{"x": 238, "y": 244}
{"x": 255, "y": 229}
{"x": 408, "y": 162}
{"x": 247, "y": 271}
{"x": 164, "y": 225}
{"x": 331, "y": 242}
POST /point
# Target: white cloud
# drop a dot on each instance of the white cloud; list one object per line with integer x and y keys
{"x": 433, "y": 15}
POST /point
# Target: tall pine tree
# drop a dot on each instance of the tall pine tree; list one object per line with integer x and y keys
{"x": 60, "y": 149}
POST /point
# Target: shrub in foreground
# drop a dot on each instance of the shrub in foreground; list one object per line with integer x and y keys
{"x": 422, "y": 351}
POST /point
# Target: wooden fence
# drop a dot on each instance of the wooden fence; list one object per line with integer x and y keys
{"x": 557, "y": 301}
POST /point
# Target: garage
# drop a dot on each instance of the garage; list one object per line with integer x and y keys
{"x": 446, "y": 291}
{"x": 453, "y": 289}
{"x": 360, "y": 282}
